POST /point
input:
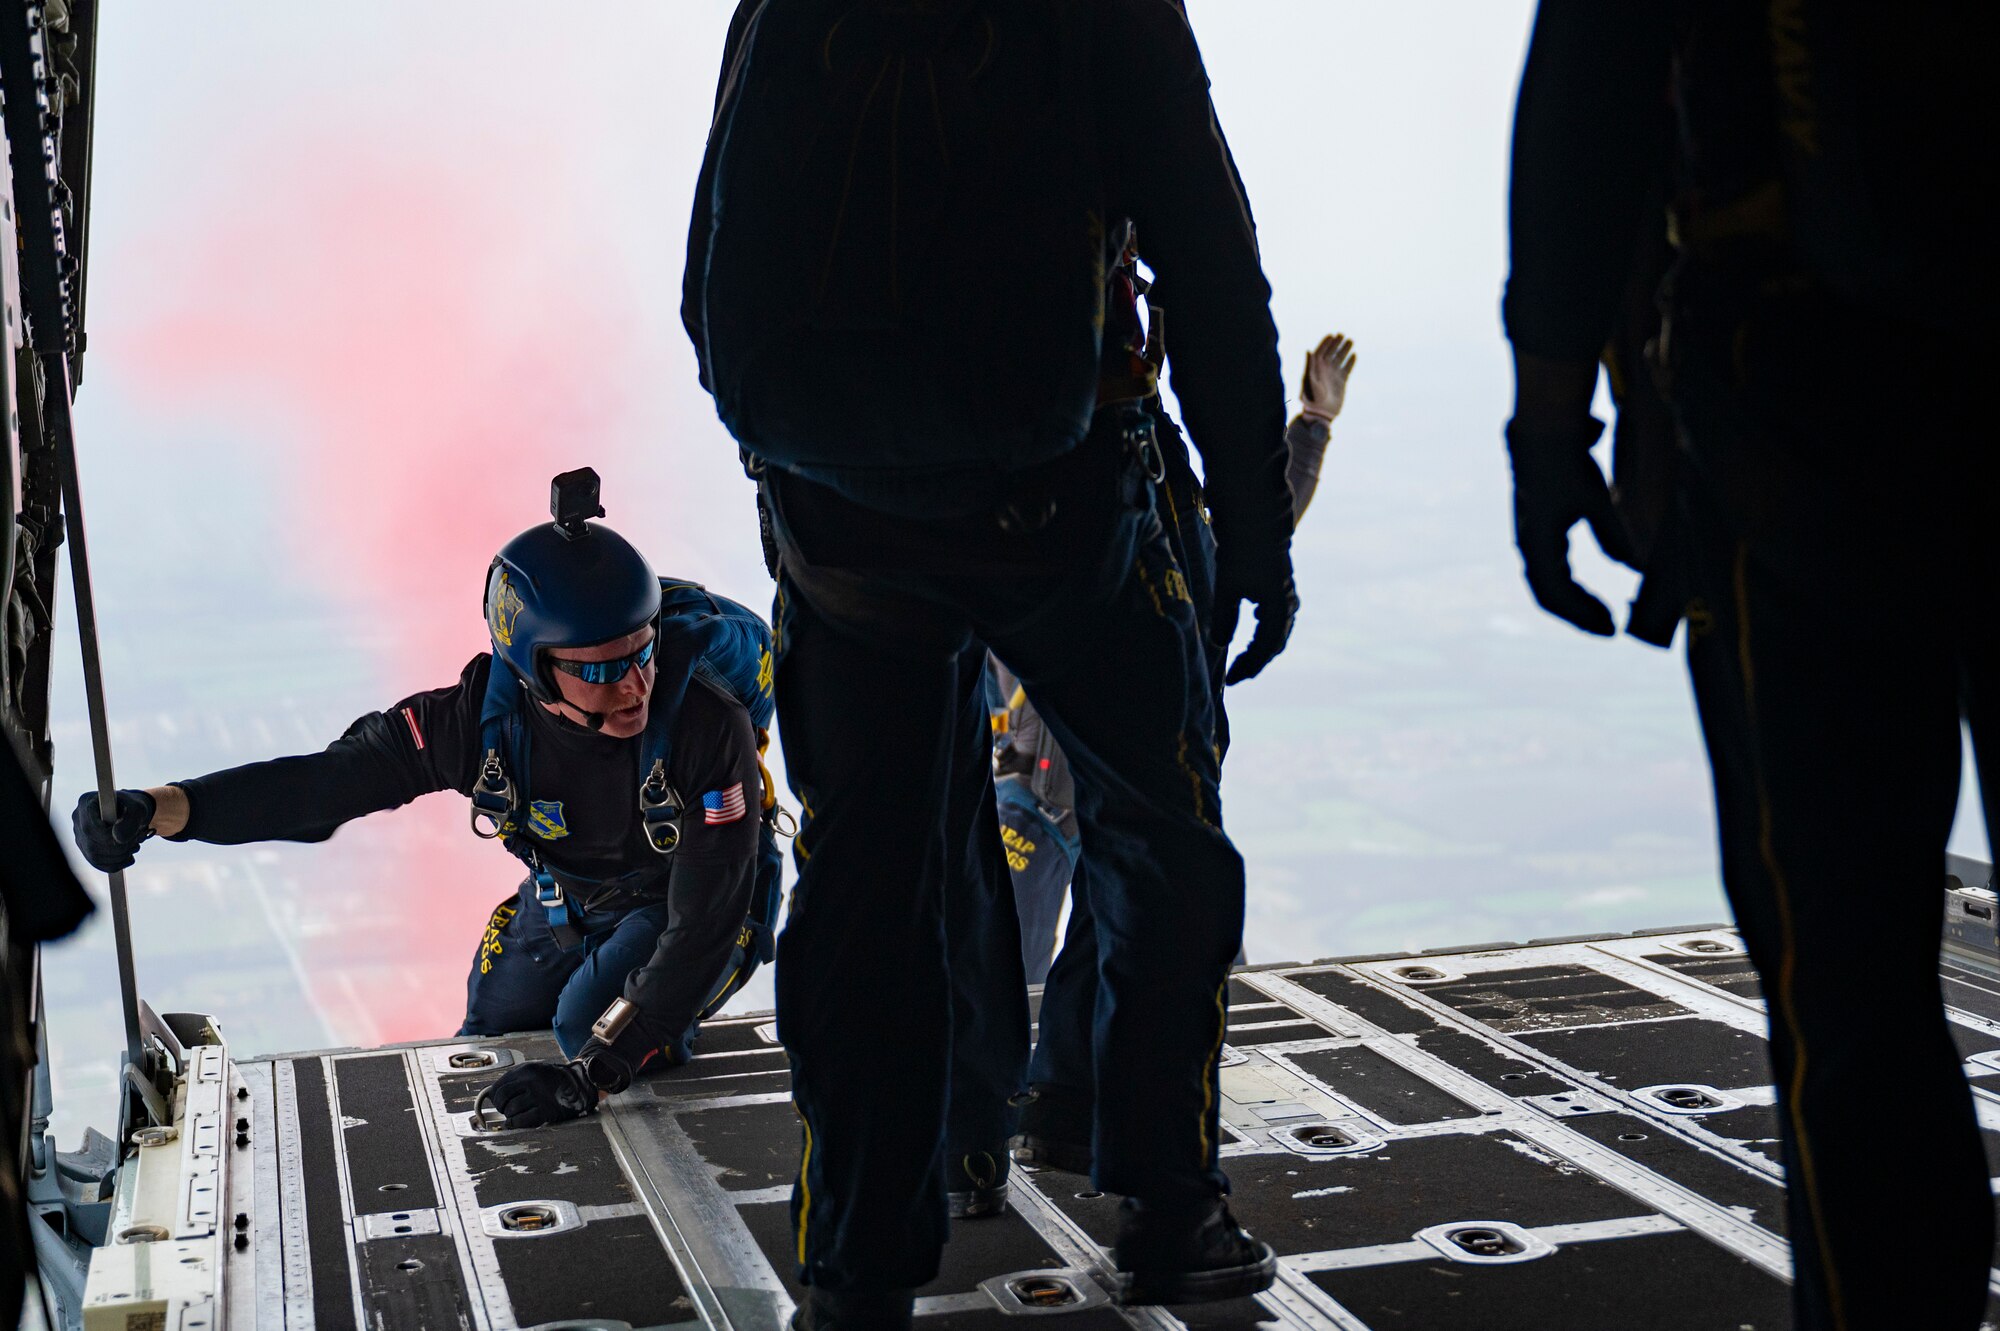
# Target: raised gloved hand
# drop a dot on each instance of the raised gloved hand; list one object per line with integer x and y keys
{"x": 111, "y": 846}
{"x": 1557, "y": 484}
{"x": 1324, "y": 390}
{"x": 1268, "y": 586}
{"x": 538, "y": 1093}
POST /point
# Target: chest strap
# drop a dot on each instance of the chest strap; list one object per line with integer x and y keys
{"x": 498, "y": 796}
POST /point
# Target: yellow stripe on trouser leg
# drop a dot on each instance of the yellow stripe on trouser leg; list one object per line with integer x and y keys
{"x": 1194, "y": 781}
{"x": 1788, "y": 946}
{"x": 1208, "y": 1069}
{"x": 805, "y": 1188}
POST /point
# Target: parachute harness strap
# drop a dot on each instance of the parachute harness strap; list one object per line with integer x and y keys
{"x": 1141, "y": 437}
{"x": 777, "y": 815}
{"x": 549, "y": 895}
{"x": 660, "y": 808}
{"x": 493, "y": 800}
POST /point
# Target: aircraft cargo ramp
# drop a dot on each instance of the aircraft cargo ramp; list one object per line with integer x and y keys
{"x": 1571, "y": 1134}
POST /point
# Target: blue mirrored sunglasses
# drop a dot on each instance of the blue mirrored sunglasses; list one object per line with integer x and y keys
{"x": 605, "y": 672}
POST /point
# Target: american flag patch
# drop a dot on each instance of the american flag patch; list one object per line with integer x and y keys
{"x": 723, "y": 806}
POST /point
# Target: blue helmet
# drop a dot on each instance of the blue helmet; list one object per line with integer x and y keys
{"x": 573, "y": 584}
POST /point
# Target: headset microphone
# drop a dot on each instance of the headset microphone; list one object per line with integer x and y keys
{"x": 592, "y": 721}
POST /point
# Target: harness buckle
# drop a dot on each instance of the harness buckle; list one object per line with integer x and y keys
{"x": 549, "y": 895}
{"x": 660, "y": 810}
{"x": 492, "y": 800}
{"x": 1143, "y": 439}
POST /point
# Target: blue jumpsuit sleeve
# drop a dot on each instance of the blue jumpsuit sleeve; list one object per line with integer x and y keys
{"x": 426, "y": 742}
{"x": 1305, "y": 446}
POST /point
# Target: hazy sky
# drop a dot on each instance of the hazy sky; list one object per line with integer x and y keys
{"x": 363, "y": 276}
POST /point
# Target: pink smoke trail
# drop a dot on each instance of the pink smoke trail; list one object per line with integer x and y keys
{"x": 435, "y": 349}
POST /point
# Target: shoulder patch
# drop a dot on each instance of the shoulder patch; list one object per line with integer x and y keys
{"x": 545, "y": 819}
{"x": 720, "y": 807}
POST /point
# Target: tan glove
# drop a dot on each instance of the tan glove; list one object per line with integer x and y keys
{"x": 1324, "y": 389}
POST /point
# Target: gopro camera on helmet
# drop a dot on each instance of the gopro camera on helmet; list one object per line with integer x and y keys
{"x": 573, "y": 501}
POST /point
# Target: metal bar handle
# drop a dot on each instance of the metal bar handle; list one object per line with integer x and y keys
{"x": 55, "y": 368}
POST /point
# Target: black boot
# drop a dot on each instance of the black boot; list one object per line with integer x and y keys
{"x": 1187, "y": 1254}
{"x": 1055, "y": 1129}
{"x": 976, "y": 1183}
{"x": 854, "y": 1310}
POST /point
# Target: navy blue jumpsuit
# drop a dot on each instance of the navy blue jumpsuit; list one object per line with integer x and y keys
{"x": 874, "y": 618}
{"x": 1829, "y": 343}
{"x": 662, "y": 936}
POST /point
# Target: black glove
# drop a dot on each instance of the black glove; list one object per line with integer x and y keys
{"x": 1269, "y": 587}
{"x": 538, "y": 1093}
{"x": 1557, "y": 484}
{"x": 114, "y": 845}
{"x": 609, "y": 1067}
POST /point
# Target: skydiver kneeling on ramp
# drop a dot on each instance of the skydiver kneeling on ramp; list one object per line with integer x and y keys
{"x": 615, "y": 752}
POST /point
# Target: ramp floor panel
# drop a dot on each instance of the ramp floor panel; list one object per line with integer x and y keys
{"x": 1647, "y": 1053}
{"x": 384, "y": 1143}
{"x": 1697, "y": 1167}
{"x": 1734, "y": 975}
{"x": 979, "y": 1250}
{"x": 1507, "y": 1073}
{"x": 1459, "y": 1140}
{"x": 1599, "y": 1284}
{"x": 749, "y": 1146}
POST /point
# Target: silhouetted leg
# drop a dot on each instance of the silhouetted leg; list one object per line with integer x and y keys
{"x": 1122, "y": 685}
{"x": 989, "y": 993}
{"x": 1830, "y": 682}
{"x": 864, "y": 1003}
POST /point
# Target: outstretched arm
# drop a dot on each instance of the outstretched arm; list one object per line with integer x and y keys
{"x": 424, "y": 743}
